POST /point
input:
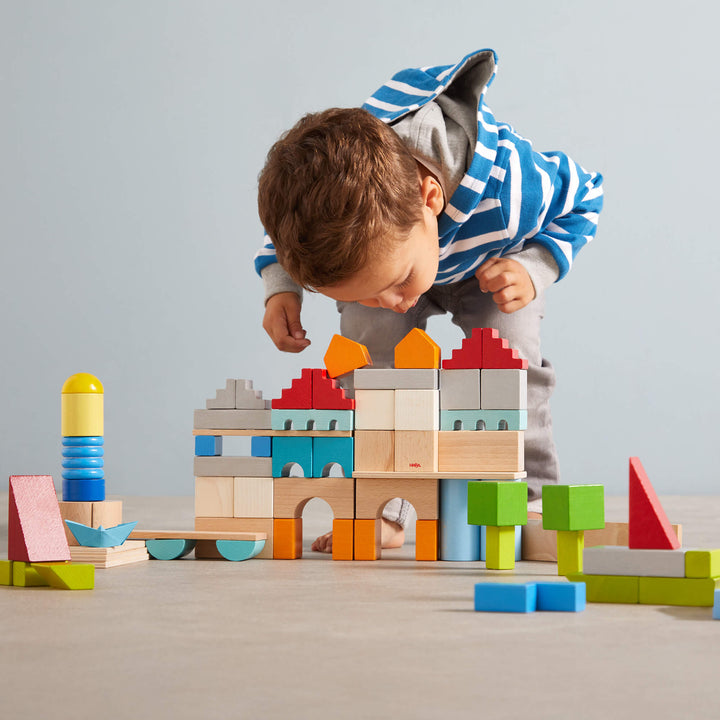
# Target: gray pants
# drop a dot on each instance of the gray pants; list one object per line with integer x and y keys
{"x": 380, "y": 330}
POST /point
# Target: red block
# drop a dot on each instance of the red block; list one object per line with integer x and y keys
{"x": 35, "y": 527}
{"x": 649, "y": 528}
{"x": 469, "y": 355}
{"x": 497, "y": 353}
{"x": 299, "y": 396}
{"x": 327, "y": 394}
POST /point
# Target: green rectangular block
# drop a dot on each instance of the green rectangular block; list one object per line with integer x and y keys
{"x": 6, "y": 572}
{"x": 497, "y": 503}
{"x": 573, "y": 507}
{"x": 619, "y": 589}
{"x": 696, "y": 592}
{"x": 499, "y": 548}
{"x": 702, "y": 563}
{"x": 26, "y": 576}
{"x": 67, "y": 576}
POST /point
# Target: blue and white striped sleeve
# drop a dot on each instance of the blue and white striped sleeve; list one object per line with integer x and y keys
{"x": 265, "y": 255}
{"x": 549, "y": 200}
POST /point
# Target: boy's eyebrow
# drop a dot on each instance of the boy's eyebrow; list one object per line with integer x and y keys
{"x": 395, "y": 283}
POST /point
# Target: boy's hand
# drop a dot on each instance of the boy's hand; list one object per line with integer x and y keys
{"x": 282, "y": 322}
{"x": 508, "y": 281}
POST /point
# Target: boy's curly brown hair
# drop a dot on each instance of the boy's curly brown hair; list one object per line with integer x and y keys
{"x": 335, "y": 190}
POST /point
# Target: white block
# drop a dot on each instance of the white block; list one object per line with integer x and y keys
{"x": 460, "y": 389}
{"x": 503, "y": 389}
{"x": 395, "y": 379}
{"x": 620, "y": 560}
{"x": 374, "y": 409}
{"x": 417, "y": 410}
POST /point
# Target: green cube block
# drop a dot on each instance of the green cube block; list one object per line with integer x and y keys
{"x": 6, "y": 572}
{"x": 573, "y": 507}
{"x": 497, "y": 504}
{"x": 702, "y": 563}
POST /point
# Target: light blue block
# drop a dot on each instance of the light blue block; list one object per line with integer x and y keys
{"x": 328, "y": 450}
{"x": 288, "y": 450}
{"x": 340, "y": 420}
{"x": 483, "y": 419}
{"x": 261, "y": 446}
{"x": 716, "y": 606}
{"x": 208, "y": 445}
{"x": 239, "y": 550}
{"x": 169, "y": 549}
{"x": 518, "y": 542}
{"x": 458, "y": 541}
{"x": 561, "y": 596}
{"x": 506, "y": 597}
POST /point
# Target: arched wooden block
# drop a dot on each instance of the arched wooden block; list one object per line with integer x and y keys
{"x": 237, "y": 550}
{"x": 170, "y": 549}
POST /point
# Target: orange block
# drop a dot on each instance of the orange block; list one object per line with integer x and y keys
{"x": 367, "y": 539}
{"x": 417, "y": 350}
{"x": 287, "y": 538}
{"x": 343, "y": 539}
{"x": 426, "y": 540}
{"x": 344, "y": 356}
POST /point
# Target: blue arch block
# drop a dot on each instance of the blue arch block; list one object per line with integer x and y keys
{"x": 288, "y": 450}
{"x": 328, "y": 450}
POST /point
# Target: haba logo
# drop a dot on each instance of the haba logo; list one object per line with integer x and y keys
{"x": 415, "y": 465}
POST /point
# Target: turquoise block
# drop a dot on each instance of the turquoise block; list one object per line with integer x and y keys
{"x": 261, "y": 446}
{"x": 208, "y": 445}
{"x": 716, "y": 606}
{"x": 561, "y": 596}
{"x": 506, "y": 597}
{"x": 458, "y": 541}
{"x": 328, "y": 450}
{"x": 339, "y": 420}
{"x": 483, "y": 419}
{"x": 518, "y": 542}
{"x": 237, "y": 550}
{"x": 170, "y": 549}
{"x": 292, "y": 450}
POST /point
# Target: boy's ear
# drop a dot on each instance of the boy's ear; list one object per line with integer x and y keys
{"x": 432, "y": 194}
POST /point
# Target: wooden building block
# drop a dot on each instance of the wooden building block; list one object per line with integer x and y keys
{"x": 499, "y": 548}
{"x": 214, "y": 496}
{"x": 609, "y": 588}
{"x": 426, "y": 540}
{"x": 503, "y": 389}
{"x": 312, "y": 420}
{"x": 372, "y": 494}
{"x": 233, "y": 467}
{"x": 368, "y": 539}
{"x": 329, "y": 454}
{"x": 696, "y": 592}
{"x": 478, "y": 420}
{"x": 468, "y": 355}
{"x": 505, "y": 597}
{"x": 616, "y": 533}
{"x": 6, "y": 572}
{"x": 573, "y": 507}
{"x": 247, "y": 398}
{"x": 261, "y": 446}
{"x": 344, "y": 356}
{"x": 374, "y": 410}
{"x": 131, "y": 551}
{"x": 25, "y": 575}
{"x": 416, "y": 451}
{"x": 327, "y": 394}
{"x": 497, "y": 352}
{"x": 36, "y": 532}
{"x": 208, "y": 445}
{"x": 481, "y": 451}
{"x": 460, "y": 389}
{"x": 702, "y": 563}
{"x": 287, "y": 535}
{"x": 232, "y": 420}
{"x": 291, "y": 494}
{"x": 649, "y": 525}
{"x": 716, "y": 605}
{"x": 570, "y": 545}
{"x": 224, "y": 397}
{"x": 67, "y": 576}
{"x": 417, "y": 410}
{"x": 395, "y": 379}
{"x": 628, "y": 561}
{"x": 252, "y": 497}
{"x": 343, "y": 539}
{"x": 499, "y": 504}
{"x": 246, "y": 525}
{"x": 417, "y": 350}
{"x": 561, "y": 596}
{"x": 292, "y": 453}
{"x": 79, "y": 512}
{"x": 458, "y": 541}
{"x": 107, "y": 513}
{"x": 299, "y": 396}
{"x": 374, "y": 450}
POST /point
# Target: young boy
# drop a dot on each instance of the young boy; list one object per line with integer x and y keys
{"x": 418, "y": 204}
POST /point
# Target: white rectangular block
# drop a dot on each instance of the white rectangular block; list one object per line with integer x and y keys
{"x": 619, "y": 560}
{"x": 213, "y": 497}
{"x": 253, "y": 497}
{"x": 396, "y": 379}
{"x": 460, "y": 389}
{"x": 503, "y": 389}
{"x": 417, "y": 410}
{"x": 374, "y": 409}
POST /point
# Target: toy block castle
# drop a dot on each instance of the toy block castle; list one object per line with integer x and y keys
{"x": 407, "y": 431}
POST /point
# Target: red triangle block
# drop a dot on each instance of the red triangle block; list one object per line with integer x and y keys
{"x": 650, "y": 528}
{"x": 35, "y": 527}
{"x": 497, "y": 353}
{"x": 299, "y": 396}
{"x": 327, "y": 394}
{"x": 469, "y": 355}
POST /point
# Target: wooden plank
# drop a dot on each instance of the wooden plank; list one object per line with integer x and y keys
{"x": 195, "y": 535}
{"x": 444, "y": 475}
{"x": 273, "y": 433}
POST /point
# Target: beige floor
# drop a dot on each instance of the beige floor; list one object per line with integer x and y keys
{"x": 320, "y": 639}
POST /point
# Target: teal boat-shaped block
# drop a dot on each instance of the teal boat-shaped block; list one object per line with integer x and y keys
{"x": 100, "y": 537}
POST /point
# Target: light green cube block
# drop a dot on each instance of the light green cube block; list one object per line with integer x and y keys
{"x": 573, "y": 507}
{"x": 702, "y": 563}
{"x": 6, "y": 572}
{"x": 497, "y": 504}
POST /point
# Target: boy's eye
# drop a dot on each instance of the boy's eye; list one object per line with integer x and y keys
{"x": 407, "y": 280}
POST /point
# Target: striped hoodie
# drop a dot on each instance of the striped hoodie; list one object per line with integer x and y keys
{"x": 504, "y": 197}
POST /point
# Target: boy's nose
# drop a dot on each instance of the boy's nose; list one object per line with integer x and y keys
{"x": 389, "y": 300}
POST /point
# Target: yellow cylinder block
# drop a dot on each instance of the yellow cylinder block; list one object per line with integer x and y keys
{"x": 82, "y": 406}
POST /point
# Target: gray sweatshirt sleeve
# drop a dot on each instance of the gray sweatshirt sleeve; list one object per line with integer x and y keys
{"x": 276, "y": 280}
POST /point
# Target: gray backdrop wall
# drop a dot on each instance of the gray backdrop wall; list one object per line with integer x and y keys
{"x": 131, "y": 136}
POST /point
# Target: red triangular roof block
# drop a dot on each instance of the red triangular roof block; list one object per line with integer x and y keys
{"x": 469, "y": 355}
{"x": 327, "y": 394}
{"x": 35, "y": 527}
{"x": 497, "y": 353}
{"x": 299, "y": 396}
{"x": 649, "y": 528}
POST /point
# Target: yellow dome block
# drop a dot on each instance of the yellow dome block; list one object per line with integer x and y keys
{"x": 82, "y": 383}
{"x": 344, "y": 356}
{"x": 82, "y": 414}
{"x": 417, "y": 350}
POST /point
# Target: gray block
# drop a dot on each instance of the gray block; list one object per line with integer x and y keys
{"x": 233, "y": 467}
{"x": 396, "y": 379}
{"x": 618, "y": 560}
{"x": 246, "y": 398}
{"x": 460, "y": 389}
{"x": 232, "y": 420}
{"x": 224, "y": 397}
{"x": 503, "y": 389}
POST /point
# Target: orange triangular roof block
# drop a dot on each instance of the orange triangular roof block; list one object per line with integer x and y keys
{"x": 649, "y": 528}
{"x": 344, "y": 355}
{"x": 417, "y": 350}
